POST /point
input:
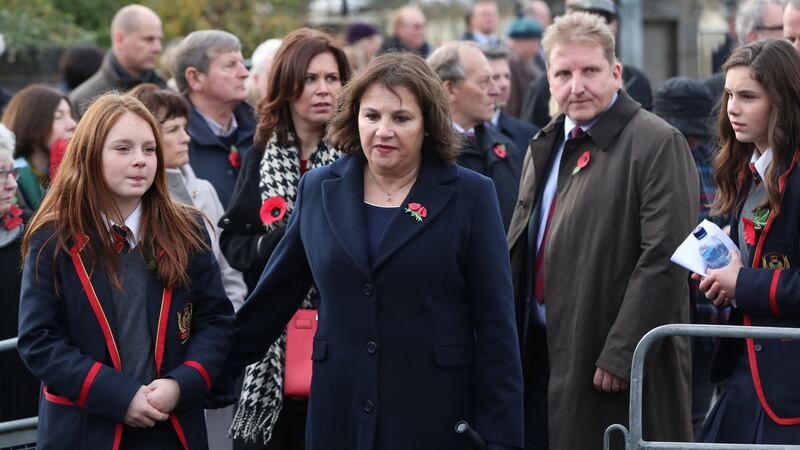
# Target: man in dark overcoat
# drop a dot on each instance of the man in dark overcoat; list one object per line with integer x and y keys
{"x": 471, "y": 95}
{"x": 608, "y": 191}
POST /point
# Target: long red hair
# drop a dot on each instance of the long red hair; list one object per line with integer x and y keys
{"x": 169, "y": 232}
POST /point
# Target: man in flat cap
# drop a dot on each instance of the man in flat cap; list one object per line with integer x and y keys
{"x": 524, "y": 40}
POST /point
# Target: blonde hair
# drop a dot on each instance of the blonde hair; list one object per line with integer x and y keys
{"x": 396, "y": 18}
{"x": 580, "y": 27}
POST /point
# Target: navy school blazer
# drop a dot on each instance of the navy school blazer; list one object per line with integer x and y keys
{"x": 68, "y": 342}
{"x": 411, "y": 340}
{"x": 768, "y": 294}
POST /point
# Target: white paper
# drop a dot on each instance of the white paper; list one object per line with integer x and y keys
{"x": 688, "y": 253}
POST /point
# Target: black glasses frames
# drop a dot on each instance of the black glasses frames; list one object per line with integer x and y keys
{"x": 4, "y": 175}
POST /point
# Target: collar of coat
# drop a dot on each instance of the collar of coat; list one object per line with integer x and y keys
{"x": 488, "y": 138}
{"x": 608, "y": 125}
{"x": 342, "y": 200}
{"x": 200, "y": 132}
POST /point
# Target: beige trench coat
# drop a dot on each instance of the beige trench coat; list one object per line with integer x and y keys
{"x": 608, "y": 277}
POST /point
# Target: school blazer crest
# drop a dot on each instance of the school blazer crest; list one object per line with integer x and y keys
{"x": 68, "y": 341}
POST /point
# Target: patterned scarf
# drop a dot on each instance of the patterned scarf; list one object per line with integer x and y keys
{"x": 262, "y": 390}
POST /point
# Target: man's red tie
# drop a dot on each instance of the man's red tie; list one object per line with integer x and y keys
{"x": 538, "y": 265}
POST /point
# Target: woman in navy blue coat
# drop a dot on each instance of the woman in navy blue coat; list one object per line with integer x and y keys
{"x": 416, "y": 319}
{"x": 759, "y": 184}
{"x": 122, "y": 314}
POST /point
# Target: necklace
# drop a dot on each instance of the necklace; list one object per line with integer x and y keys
{"x": 386, "y": 192}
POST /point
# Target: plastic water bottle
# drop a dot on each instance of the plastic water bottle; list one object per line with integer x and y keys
{"x": 713, "y": 251}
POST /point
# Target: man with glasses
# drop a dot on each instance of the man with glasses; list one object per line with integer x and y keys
{"x": 756, "y": 19}
{"x": 759, "y": 19}
{"x": 409, "y": 26}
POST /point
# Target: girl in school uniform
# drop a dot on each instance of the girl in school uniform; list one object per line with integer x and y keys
{"x": 759, "y": 184}
{"x": 123, "y": 316}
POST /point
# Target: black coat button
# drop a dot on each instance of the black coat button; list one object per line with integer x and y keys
{"x": 368, "y": 406}
{"x": 372, "y": 347}
{"x": 757, "y": 347}
{"x": 226, "y": 221}
{"x": 367, "y": 289}
{"x": 247, "y": 226}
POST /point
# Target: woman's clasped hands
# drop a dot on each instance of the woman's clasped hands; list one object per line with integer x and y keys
{"x": 153, "y": 403}
{"x": 719, "y": 285}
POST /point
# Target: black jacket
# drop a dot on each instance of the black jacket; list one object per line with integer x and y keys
{"x": 488, "y": 158}
{"x": 518, "y": 131}
{"x": 768, "y": 295}
{"x": 244, "y": 240}
{"x": 393, "y": 43}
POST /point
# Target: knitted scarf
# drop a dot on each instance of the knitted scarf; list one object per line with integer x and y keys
{"x": 262, "y": 391}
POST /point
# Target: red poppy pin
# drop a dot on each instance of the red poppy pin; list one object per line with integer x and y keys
{"x": 417, "y": 211}
{"x": 233, "y": 157}
{"x": 749, "y": 232}
{"x": 583, "y": 161}
{"x": 273, "y": 209}
{"x": 500, "y": 151}
{"x": 12, "y": 219}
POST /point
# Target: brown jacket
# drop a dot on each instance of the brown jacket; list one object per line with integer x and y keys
{"x": 608, "y": 277}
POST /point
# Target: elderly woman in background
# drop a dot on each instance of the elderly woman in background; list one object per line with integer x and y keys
{"x": 307, "y": 74}
{"x": 415, "y": 333}
{"x": 19, "y": 389}
{"x": 41, "y": 119}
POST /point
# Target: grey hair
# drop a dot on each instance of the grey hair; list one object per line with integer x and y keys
{"x": 197, "y": 50}
{"x": 7, "y": 143}
{"x": 494, "y": 52}
{"x": 446, "y": 62}
{"x": 751, "y": 16}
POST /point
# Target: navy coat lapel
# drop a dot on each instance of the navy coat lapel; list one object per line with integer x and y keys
{"x": 343, "y": 202}
{"x": 432, "y": 192}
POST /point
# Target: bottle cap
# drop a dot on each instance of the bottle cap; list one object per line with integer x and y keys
{"x": 699, "y": 232}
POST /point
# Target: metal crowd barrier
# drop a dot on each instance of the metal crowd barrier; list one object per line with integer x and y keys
{"x": 17, "y": 434}
{"x": 633, "y": 438}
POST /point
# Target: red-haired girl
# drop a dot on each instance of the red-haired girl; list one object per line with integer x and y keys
{"x": 123, "y": 316}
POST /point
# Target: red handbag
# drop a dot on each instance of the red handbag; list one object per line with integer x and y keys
{"x": 299, "y": 344}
